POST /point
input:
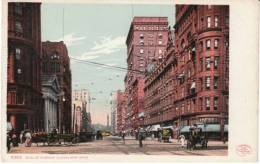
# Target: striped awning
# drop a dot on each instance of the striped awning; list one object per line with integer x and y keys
{"x": 206, "y": 128}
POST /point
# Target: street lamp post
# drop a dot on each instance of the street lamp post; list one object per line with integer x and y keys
{"x": 205, "y": 126}
{"x": 61, "y": 98}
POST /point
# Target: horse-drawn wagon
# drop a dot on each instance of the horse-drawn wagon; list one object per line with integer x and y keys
{"x": 195, "y": 136}
{"x": 54, "y": 138}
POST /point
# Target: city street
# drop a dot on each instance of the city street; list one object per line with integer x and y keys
{"x": 114, "y": 145}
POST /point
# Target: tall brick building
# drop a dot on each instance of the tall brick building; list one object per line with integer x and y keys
{"x": 158, "y": 90}
{"x": 24, "y": 98}
{"x": 146, "y": 42}
{"x": 197, "y": 82}
{"x": 55, "y": 60}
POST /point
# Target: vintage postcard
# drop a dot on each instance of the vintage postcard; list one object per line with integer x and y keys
{"x": 130, "y": 80}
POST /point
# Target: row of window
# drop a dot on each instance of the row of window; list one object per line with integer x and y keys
{"x": 21, "y": 98}
{"x": 208, "y": 44}
{"x": 207, "y": 101}
{"x": 204, "y": 104}
{"x": 15, "y": 98}
{"x": 209, "y": 22}
{"x": 208, "y": 62}
{"x": 160, "y": 36}
{"x": 207, "y": 82}
{"x": 216, "y": 21}
{"x": 142, "y": 51}
{"x": 150, "y": 42}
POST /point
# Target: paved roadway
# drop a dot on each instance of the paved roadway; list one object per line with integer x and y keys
{"x": 114, "y": 145}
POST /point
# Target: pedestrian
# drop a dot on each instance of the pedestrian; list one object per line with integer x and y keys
{"x": 123, "y": 136}
{"x": 28, "y": 137}
{"x": 152, "y": 136}
{"x": 170, "y": 139}
{"x": 21, "y": 137}
{"x": 182, "y": 140}
{"x": 159, "y": 135}
{"x": 14, "y": 139}
{"x": 136, "y": 134}
{"x": 141, "y": 136}
{"x": 8, "y": 142}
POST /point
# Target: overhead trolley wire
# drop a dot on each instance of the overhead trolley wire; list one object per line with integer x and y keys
{"x": 106, "y": 65}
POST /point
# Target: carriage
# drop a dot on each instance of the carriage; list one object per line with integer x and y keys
{"x": 196, "y": 137}
{"x": 53, "y": 138}
{"x": 167, "y": 133}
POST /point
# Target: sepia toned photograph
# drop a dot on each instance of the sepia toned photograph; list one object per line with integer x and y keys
{"x": 118, "y": 79}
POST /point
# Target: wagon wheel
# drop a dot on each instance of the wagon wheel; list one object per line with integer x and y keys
{"x": 75, "y": 140}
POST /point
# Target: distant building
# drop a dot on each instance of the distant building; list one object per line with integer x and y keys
{"x": 55, "y": 60}
{"x": 24, "y": 98}
{"x": 120, "y": 111}
{"x": 50, "y": 91}
{"x": 146, "y": 43}
{"x": 81, "y": 118}
{"x": 82, "y": 95}
{"x": 114, "y": 112}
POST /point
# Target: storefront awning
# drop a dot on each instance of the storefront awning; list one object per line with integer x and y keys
{"x": 206, "y": 128}
{"x": 147, "y": 128}
{"x": 184, "y": 129}
{"x": 167, "y": 127}
{"x": 226, "y": 128}
{"x": 155, "y": 127}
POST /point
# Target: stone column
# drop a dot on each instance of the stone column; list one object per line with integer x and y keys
{"x": 45, "y": 115}
{"x": 48, "y": 114}
{"x": 50, "y": 127}
{"x": 53, "y": 114}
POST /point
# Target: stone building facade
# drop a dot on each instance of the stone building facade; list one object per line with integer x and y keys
{"x": 55, "y": 61}
{"x": 50, "y": 91}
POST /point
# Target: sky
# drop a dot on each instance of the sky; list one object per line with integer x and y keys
{"x": 97, "y": 33}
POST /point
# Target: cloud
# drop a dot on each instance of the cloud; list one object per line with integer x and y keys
{"x": 105, "y": 46}
{"x": 110, "y": 44}
{"x": 71, "y": 39}
{"x": 108, "y": 64}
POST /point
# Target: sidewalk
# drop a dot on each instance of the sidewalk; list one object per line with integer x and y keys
{"x": 149, "y": 140}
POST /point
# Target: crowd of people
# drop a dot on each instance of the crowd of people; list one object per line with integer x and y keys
{"x": 141, "y": 134}
{"x": 13, "y": 139}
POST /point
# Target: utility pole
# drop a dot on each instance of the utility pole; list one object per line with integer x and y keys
{"x": 107, "y": 121}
